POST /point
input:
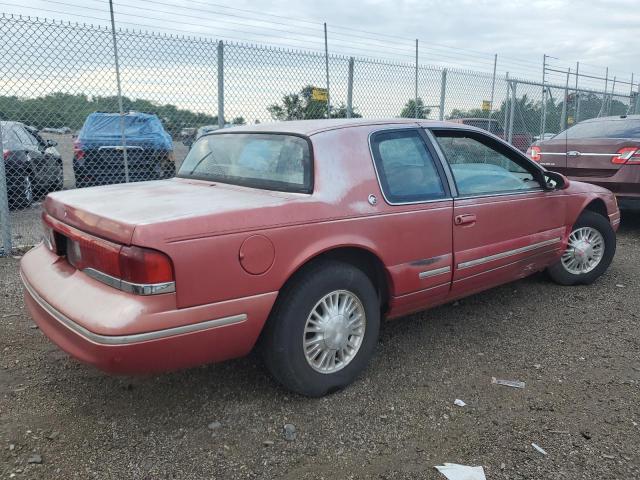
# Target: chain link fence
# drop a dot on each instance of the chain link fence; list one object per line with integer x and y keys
{"x": 65, "y": 125}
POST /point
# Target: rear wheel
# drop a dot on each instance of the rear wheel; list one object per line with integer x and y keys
{"x": 590, "y": 249}
{"x": 323, "y": 330}
{"x": 23, "y": 192}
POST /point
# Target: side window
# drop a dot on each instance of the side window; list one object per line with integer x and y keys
{"x": 25, "y": 138}
{"x": 479, "y": 167}
{"x": 405, "y": 167}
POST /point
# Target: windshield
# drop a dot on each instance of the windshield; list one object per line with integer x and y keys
{"x": 269, "y": 161}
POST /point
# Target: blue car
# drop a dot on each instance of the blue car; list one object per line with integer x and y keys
{"x": 98, "y": 157}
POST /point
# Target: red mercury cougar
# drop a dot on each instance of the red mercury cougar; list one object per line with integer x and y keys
{"x": 298, "y": 238}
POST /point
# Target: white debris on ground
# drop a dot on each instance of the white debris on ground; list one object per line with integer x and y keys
{"x": 508, "y": 383}
{"x": 454, "y": 471}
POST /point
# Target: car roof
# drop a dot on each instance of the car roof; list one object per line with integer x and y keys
{"x": 312, "y": 127}
{"x": 612, "y": 117}
{"x": 10, "y": 123}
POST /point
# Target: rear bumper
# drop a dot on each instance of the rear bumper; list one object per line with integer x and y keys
{"x": 624, "y": 183}
{"x": 114, "y": 334}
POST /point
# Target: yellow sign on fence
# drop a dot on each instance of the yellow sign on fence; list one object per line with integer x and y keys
{"x": 319, "y": 94}
{"x": 486, "y": 105}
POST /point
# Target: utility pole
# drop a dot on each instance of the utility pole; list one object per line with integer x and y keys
{"x": 123, "y": 137}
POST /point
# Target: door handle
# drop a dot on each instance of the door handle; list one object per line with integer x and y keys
{"x": 573, "y": 153}
{"x": 465, "y": 219}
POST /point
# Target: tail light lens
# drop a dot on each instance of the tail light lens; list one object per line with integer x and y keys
{"x": 133, "y": 269}
{"x": 627, "y": 156}
{"x": 78, "y": 152}
{"x": 534, "y": 153}
{"x": 6, "y": 154}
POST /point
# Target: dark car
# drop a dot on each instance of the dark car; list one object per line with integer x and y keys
{"x": 603, "y": 151}
{"x": 99, "y": 159}
{"x": 520, "y": 140}
{"x": 33, "y": 165}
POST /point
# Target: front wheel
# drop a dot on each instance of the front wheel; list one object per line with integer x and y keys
{"x": 590, "y": 249}
{"x": 323, "y": 330}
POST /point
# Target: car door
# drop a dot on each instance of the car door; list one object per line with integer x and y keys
{"x": 416, "y": 218}
{"x": 505, "y": 225}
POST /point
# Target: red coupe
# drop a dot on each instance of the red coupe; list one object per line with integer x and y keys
{"x": 298, "y": 238}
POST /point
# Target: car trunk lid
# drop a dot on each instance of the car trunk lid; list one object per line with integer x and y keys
{"x": 553, "y": 153}
{"x": 592, "y": 157}
{"x": 114, "y": 212}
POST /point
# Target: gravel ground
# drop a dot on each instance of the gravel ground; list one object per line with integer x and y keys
{"x": 576, "y": 349}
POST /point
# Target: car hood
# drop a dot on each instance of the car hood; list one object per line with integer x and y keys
{"x": 174, "y": 208}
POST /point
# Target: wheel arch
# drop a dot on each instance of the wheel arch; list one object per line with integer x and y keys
{"x": 598, "y": 206}
{"x": 357, "y": 255}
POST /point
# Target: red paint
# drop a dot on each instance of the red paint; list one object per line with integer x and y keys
{"x": 233, "y": 248}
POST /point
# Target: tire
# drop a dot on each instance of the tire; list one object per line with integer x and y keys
{"x": 561, "y": 273}
{"x": 282, "y": 342}
{"x": 24, "y": 193}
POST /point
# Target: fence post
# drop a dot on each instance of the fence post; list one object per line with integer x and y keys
{"x": 631, "y": 96}
{"x": 512, "y": 110}
{"x": 5, "y": 219}
{"x": 326, "y": 64}
{"x": 220, "y": 84}
{"x": 350, "y": 88}
{"x": 493, "y": 91}
{"x": 443, "y": 92}
{"x": 604, "y": 95}
{"x": 123, "y": 137}
{"x": 543, "y": 119}
{"x": 577, "y": 119}
{"x": 415, "y": 94}
{"x": 613, "y": 91}
{"x": 506, "y": 104}
{"x": 637, "y": 107}
{"x": 563, "y": 116}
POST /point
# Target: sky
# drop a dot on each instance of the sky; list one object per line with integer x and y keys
{"x": 456, "y": 32}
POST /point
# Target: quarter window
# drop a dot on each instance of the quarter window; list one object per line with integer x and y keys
{"x": 405, "y": 167}
{"x": 478, "y": 167}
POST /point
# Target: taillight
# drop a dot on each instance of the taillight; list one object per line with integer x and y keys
{"x": 49, "y": 238}
{"x": 534, "y": 153}
{"x": 78, "y": 152}
{"x": 145, "y": 266}
{"x": 627, "y": 156}
{"x": 133, "y": 269}
{"x": 6, "y": 154}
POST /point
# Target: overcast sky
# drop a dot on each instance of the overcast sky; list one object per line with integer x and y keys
{"x": 596, "y": 33}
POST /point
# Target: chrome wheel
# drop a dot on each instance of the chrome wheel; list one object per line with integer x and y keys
{"x": 334, "y": 331}
{"x": 27, "y": 190}
{"x": 584, "y": 252}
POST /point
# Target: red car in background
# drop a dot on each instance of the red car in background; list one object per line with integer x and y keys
{"x": 299, "y": 237}
{"x": 603, "y": 151}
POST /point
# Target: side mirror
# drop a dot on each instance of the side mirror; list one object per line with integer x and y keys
{"x": 556, "y": 181}
{"x": 50, "y": 143}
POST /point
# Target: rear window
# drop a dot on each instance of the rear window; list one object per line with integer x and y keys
{"x": 617, "y": 128}
{"x": 268, "y": 161}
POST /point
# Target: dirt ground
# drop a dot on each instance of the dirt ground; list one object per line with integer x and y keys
{"x": 577, "y": 350}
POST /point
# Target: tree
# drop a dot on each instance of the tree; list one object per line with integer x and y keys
{"x": 302, "y": 106}
{"x": 414, "y": 108}
{"x": 68, "y": 110}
